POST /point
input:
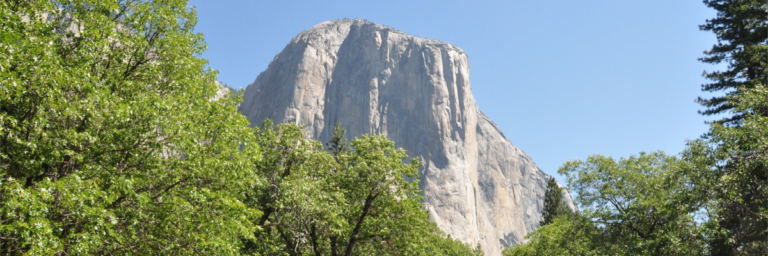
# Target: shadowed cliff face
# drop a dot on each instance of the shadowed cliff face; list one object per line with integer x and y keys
{"x": 477, "y": 185}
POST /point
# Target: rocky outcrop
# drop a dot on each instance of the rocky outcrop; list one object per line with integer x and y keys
{"x": 222, "y": 91}
{"x": 478, "y": 187}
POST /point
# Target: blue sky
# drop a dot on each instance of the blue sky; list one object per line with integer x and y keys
{"x": 562, "y": 79}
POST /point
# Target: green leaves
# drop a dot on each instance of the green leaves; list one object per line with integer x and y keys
{"x": 110, "y": 142}
{"x": 570, "y": 234}
{"x": 640, "y": 202}
{"x": 640, "y": 205}
{"x": 381, "y": 205}
{"x": 358, "y": 198}
{"x": 729, "y": 172}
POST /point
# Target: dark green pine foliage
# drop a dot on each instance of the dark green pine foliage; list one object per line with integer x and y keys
{"x": 741, "y": 30}
{"x": 737, "y": 154}
{"x": 338, "y": 143}
{"x": 554, "y": 205}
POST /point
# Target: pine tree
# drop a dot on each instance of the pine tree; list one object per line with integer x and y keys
{"x": 735, "y": 157}
{"x": 741, "y": 30}
{"x": 553, "y": 203}
{"x": 338, "y": 143}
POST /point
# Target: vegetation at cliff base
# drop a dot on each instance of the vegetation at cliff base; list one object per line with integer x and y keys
{"x": 115, "y": 141}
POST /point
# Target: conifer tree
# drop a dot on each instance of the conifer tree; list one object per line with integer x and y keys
{"x": 338, "y": 143}
{"x": 553, "y": 203}
{"x": 731, "y": 165}
{"x": 741, "y": 30}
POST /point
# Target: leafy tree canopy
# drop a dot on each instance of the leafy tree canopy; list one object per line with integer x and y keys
{"x": 355, "y": 199}
{"x": 109, "y": 140}
{"x": 635, "y": 206}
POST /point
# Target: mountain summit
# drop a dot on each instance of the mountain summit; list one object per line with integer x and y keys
{"x": 477, "y": 186}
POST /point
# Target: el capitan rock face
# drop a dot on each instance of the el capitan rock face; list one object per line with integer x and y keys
{"x": 477, "y": 185}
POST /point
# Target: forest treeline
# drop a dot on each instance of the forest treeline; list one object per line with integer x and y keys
{"x": 708, "y": 200}
{"x": 113, "y": 141}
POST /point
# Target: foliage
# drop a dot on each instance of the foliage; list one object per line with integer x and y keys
{"x": 570, "y": 234}
{"x": 730, "y": 170}
{"x": 296, "y": 196}
{"x": 435, "y": 242}
{"x": 554, "y": 204}
{"x": 730, "y": 166}
{"x": 741, "y": 27}
{"x": 355, "y": 199}
{"x": 380, "y": 205}
{"x": 109, "y": 142}
{"x": 338, "y": 143}
{"x": 640, "y": 205}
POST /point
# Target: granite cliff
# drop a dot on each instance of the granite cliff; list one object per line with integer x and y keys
{"x": 478, "y": 187}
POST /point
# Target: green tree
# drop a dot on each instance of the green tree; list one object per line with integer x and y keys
{"x": 640, "y": 205}
{"x": 109, "y": 140}
{"x": 729, "y": 170}
{"x": 554, "y": 205}
{"x": 570, "y": 234}
{"x": 730, "y": 166}
{"x": 741, "y": 27}
{"x": 338, "y": 143}
{"x": 382, "y": 212}
{"x": 354, "y": 199}
{"x": 381, "y": 207}
{"x": 435, "y": 242}
{"x": 299, "y": 203}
